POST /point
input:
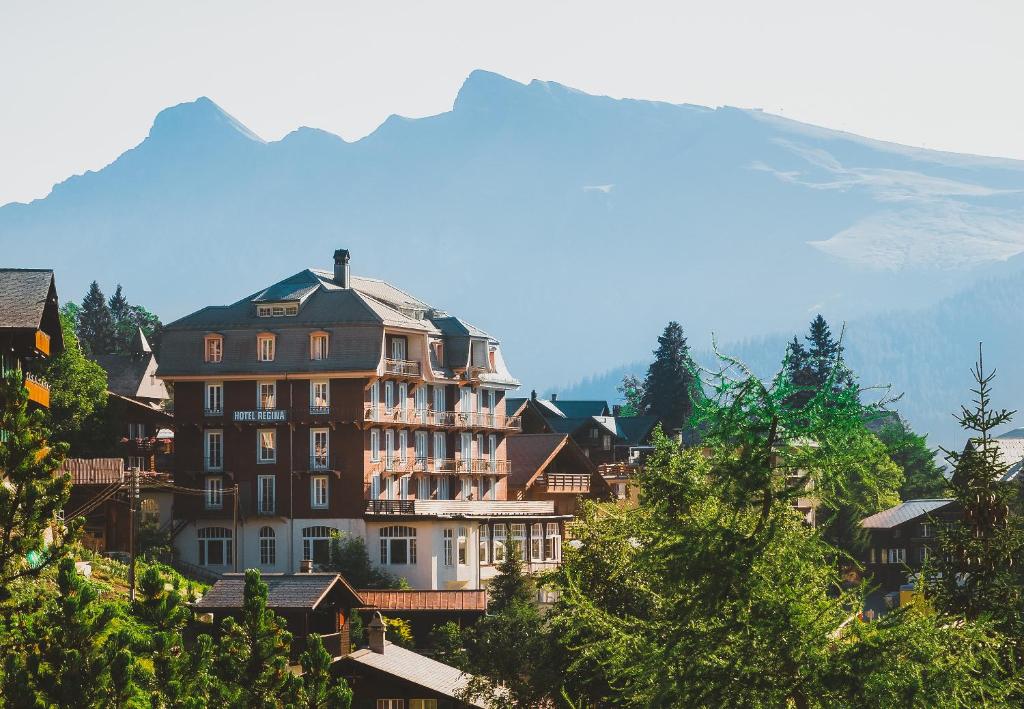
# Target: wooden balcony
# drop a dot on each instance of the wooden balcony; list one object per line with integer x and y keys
{"x": 572, "y": 483}
{"x": 38, "y": 389}
{"x": 391, "y": 507}
{"x": 42, "y": 343}
{"x": 455, "y": 420}
{"x": 444, "y": 466}
{"x": 402, "y": 367}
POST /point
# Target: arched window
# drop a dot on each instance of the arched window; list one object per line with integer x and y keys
{"x": 398, "y": 545}
{"x": 316, "y": 543}
{"x": 214, "y": 546}
{"x": 268, "y": 546}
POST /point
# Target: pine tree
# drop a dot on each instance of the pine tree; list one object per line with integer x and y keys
{"x": 120, "y": 317}
{"x": 820, "y": 363}
{"x": 95, "y": 324}
{"x": 671, "y": 385}
{"x": 32, "y": 492}
{"x": 252, "y": 662}
{"x": 318, "y": 689}
{"x": 510, "y": 585}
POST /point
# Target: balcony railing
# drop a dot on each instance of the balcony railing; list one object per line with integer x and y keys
{"x": 402, "y": 367}
{"x": 319, "y": 410}
{"x": 208, "y": 411}
{"x": 38, "y": 389}
{"x": 320, "y": 462}
{"x": 441, "y": 419}
{"x": 397, "y": 466}
{"x": 213, "y": 463}
{"x": 391, "y": 507}
{"x": 567, "y": 482}
{"x": 266, "y": 507}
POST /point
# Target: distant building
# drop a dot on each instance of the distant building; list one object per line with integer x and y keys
{"x": 30, "y": 329}
{"x": 552, "y": 466}
{"x": 425, "y": 610}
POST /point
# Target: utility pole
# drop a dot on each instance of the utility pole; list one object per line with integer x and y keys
{"x": 133, "y": 500}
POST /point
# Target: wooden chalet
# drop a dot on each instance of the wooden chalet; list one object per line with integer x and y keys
{"x": 425, "y": 610}
{"x": 552, "y": 466}
{"x": 30, "y": 329}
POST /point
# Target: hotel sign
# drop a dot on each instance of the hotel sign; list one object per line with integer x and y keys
{"x": 262, "y": 415}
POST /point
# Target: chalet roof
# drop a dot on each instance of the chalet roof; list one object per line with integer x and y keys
{"x": 903, "y": 512}
{"x": 636, "y": 430}
{"x": 581, "y": 408}
{"x": 1010, "y": 446}
{"x": 94, "y": 471}
{"x": 283, "y": 590}
{"x": 424, "y": 600}
{"x": 531, "y": 453}
{"x": 513, "y": 404}
{"x": 415, "y": 668}
{"x": 23, "y": 296}
{"x": 133, "y": 375}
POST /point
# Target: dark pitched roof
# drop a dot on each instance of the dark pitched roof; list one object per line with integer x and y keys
{"x": 635, "y": 430}
{"x": 424, "y": 600}
{"x": 904, "y": 512}
{"x": 23, "y": 296}
{"x": 283, "y": 591}
{"x": 513, "y": 404}
{"x": 564, "y": 425}
{"x": 529, "y": 453}
{"x": 582, "y": 408}
{"x": 132, "y": 376}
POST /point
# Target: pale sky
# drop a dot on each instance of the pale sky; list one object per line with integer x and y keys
{"x": 80, "y": 82}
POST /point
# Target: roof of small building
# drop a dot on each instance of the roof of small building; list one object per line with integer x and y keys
{"x": 581, "y": 408}
{"x": 903, "y": 512}
{"x": 636, "y": 430}
{"x": 94, "y": 471}
{"x": 417, "y": 669}
{"x": 424, "y": 600}
{"x": 133, "y": 375}
{"x": 1011, "y": 452}
{"x": 529, "y": 454}
{"x": 23, "y": 296}
{"x": 283, "y": 590}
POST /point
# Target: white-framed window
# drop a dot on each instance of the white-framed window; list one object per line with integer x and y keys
{"x": 397, "y": 545}
{"x": 403, "y": 445}
{"x": 403, "y": 396}
{"x": 214, "y": 450}
{"x": 494, "y": 488}
{"x": 265, "y": 346}
{"x": 391, "y": 704}
{"x": 518, "y": 538}
{"x": 137, "y": 461}
{"x": 466, "y": 449}
{"x": 447, "y": 536}
{"x": 438, "y": 352}
{"x": 389, "y": 449}
{"x": 319, "y": 448}
{"x": 500, "y": 543}
{"x": 214, "y": 546}
{"x": 492, "y": 400}
{"x": 443, "y": 488}
{"x": 553, "y": 542}
{"x": 466, "y": 487}
{"x": 398, "y": 348}
{"x": 923, "y": 553}
{"x": 462, "y": 547}
{"x": 213, "y": 349}
{"x": 266, "y": 395}
{"x": 389, "y": 396}
{"x": 422, "y": 704}
{"x": 318, "y": 491}
{"x": 316, "y": 543}
{"x": 277, "y": 310}
{"x": 536, "y": 541}
{"x": 479, "y": 446}
{"x": 492, "y": 450}
{"x": 485, "y": 544}
{"x": 268, "y": 546}
{"x": 266, "y": 491}
{"x": 595, "y": 434}
{"x": 897, "y": 556}
{"x": 266, "y": 445}
{"x": 423, "y": 488}
{"x": 214, "y": 398}
{"x": 485, "y": 489}
{"x": 927, "y": 529}
{"x": 420, "y": 448}
{"x": 375, "y": 489}
{"x": 403, "y": 487}
{"x": 606, "y": 442}
{"x": 375, "y": 445}
{"x": 375, "y": 398}
{"x": 439, "y": 398}
{"x": 136, "y": 430}
{"x": 319, "y": 397}
{"x": 439, "y": 447}
{"x": 319, "y": 345}
{"x": 420, "y": 399}
{"x": 465, "y": 399}
{"x": 214, "y": 492}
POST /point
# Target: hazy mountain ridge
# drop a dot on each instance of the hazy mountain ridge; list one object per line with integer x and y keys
{"x": 572, "y": 226}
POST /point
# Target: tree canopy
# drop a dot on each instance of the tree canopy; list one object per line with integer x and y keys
{"x": 671, "y": 385}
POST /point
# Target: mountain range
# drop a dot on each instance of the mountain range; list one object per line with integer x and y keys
{"x": 571, "y": 226}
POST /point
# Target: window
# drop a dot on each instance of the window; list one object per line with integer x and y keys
{"x": 398, "y": 348}
{"x": 265, "y": 347}
{"x": 439, "y": 403}
{"x": 422, "y": 704}
{"x": 499, "y": 543}
{"x": 318, "y": 491}
{"x": 403, "y": 446}
{"x": 519, "y": 539}
{"x": 872, "y": 558}
{"x": 266, "y": 493}
{"x": 403, "y": 396}
{"x": 316, "y": 543}
{"x": 606, "y": 442}
{"x": 466, "y": 487}
{"x": 595, "y": 434}
{"x": 389, "y": 396}
{"x": 214, "y": 546}
{"x": 214, "y": 489}
{"x": 374, "y": 399}
{"x": 267, "y": 445}
{"x": 267, "y": 395}
{"x": 463, "y": 543}
{"x": 375, "y": 445}
{"x": 492, "y": 450}
{"x": 375, "y": 487}
{"x": 389, "y": 449}
{"x": 485, "y": 544}
{"x": 319, "y": 449}
{"x": 150, "y": 511}
{"x": 420, "y": 450}
{"x": 420, "y": 400}
{"x": 423, "y": 488}
{"x": 492, "y": 400}
{"x": 553, "y": 543}
{"x": 214, "y": 399}
{"x": 927, "y": 530}
{"x": 438, "y": 353}
{"x": 922, "y": 554}
{"x": 277, "y": 310}
{"x": 137, "y": 461}
{"x": 214, "y": 349}
{"x": 485, "y": 489}
{"x": 214, "y": 450}
{"x": 444, "y": 488}
{"x": 439, "y": 447}
{"x": 319, "y": 398}
{"x": 465, "y": 399}
{"x": 447, "y": 536}
{"x": 391, "y": 704}
{"x": 398, "y": 545}
{"x": 268, "y": 547}
{"x": 403, "y": 488}
{"x": 536, "y": 541}
{"x": 897, "y": 556}
{"x": 318, "y": 345}
{"x": 466, "y": 449}
{"x": 136, "y": 430}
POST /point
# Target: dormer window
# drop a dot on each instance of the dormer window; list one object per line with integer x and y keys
{"x": 319, "y": 345}
{"x": 277, "y": 310}
{"x": 214, "y": 348}
{"x": 265, "y": 347}
{"x": 438, "y": 348}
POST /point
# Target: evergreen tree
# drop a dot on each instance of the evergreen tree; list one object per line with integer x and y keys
{"x": 632, "y": 391}
{"x": 252, "y": 661}
{"x": 448, "y": 645}
{"x": 923, "y": 477}
{"x": 510, "y": 585}
{"x": 121, "y": 320}
{"x": 319, "y": 691}
{"x": 95, "y": 324}
{"x": 819, "y": 363}
{"x": 32, "y": 491}
{"x": 671, "y": 385}
{"x": 348, "y": 557}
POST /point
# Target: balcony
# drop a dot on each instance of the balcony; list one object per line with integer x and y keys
{"x": 42, "y": 343}
{"x": 320, "y": 461}
{"x": 213, "y": 463}
{"x": 441, "y": 419}
{"x": 402, "y": 367}
{"x": 574, "y": 483}
{"x": 316, "y": 410}
{"x": 475, "y": 508}
{"x": 213, "y": 412}
{"x": 472, "y": 465}
{"x": 266, "y": 507}
{"x": 38, "y": 389}
{"x": 391, "y": 507}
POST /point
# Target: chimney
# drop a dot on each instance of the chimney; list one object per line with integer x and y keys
{"x": 616, "y": 409}
{"x": 554, "y": 398}
{"x": 342, "y": 277}
{"x": 533, "y": 394}
{"x": 306, "y": 566}
{"x": 375, "y": 632}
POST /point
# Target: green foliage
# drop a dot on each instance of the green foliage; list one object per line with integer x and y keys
{"x": 448, "y": 646}
{"x": 671, "y": 386}
{"x": 78, "y": 399}
{"x": 318, "y": 689}
{"x": 252, "y": 658}
{"x": 809, "y": 368}
{"x": 128, "y": 319}
{"x": 922, "y": 476}
{"x": 32, "y": 493}
{"x": 95, "y": 323}
{"x": 399, "y": 632}
{"x": 348, "y": 557}
{"x": 356, "y": 631}
{"x": 632, "y": 391}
